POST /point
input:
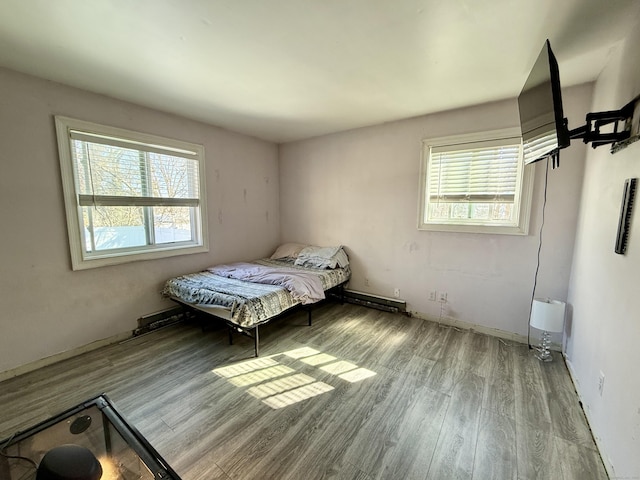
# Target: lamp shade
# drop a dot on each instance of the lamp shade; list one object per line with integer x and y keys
{"x": 547, "y": 315}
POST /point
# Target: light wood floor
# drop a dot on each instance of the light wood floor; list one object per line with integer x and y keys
{"x": 361, "y": 394}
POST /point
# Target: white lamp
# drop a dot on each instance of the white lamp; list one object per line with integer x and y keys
{"x": 547, "y": 315}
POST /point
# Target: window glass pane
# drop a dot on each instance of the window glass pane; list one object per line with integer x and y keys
{"x": 503, "y": 211}
{"x": 173, "y": 177}
{"x": 173, "y": 224}
{"x": 109, "y": 170}
{"x": 114, "y": 227}
{"x": 114, "y": 170}
{"x": 438, "y": 211}
{"x": 481, "y": 211}
{"x": 460, "y": 210}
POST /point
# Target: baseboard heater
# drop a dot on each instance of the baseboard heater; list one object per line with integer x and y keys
{"x": 374, "y": 301}
{"x": 164, "y": 318}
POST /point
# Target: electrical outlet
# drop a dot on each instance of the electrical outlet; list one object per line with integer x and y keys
{"x": 433, "y": 295}
{"x": 366, "y": 282}
{"x": 601, "y": 383}
{"x": 443, "y": 297}
{"x": 396, "y": 292}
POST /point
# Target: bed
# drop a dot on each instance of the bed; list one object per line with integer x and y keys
{"x": 246, "y": 295}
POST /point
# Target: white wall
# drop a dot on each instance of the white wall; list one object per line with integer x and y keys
{"x": 360, "y": 188}
{"x": 605, "y": 287}
{"x": 45, "y": 307}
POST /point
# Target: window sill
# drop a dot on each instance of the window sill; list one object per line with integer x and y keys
{"x": 88, "y": 262}
{"x": 485, "y": 229}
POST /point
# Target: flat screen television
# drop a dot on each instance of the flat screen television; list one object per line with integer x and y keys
{"x": 544, "y": 128}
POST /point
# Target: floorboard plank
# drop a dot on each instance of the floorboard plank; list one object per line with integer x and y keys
{"x": 454, "y": 454}
{"x": 495, "y": 455}
{"x": 531, "y": 394}
{"x": 537, "y": 455}
{"x": 579, "y": 461}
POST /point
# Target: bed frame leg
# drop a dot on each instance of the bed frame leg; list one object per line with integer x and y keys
{"x": 256, "y": 341}
{"x": 230, "y": 335}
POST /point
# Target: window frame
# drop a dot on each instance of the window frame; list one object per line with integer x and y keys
{"x": 525, "y": 181}
{"x": 80, "y": 258}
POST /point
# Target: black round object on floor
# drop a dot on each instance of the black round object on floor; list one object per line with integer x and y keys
{"x": 80, "y": 424}
{"x": 69, "y": 462}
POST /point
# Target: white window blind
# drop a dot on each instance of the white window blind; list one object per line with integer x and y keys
{"x": 129, "y": 195}
{"x": 116, "y": 172}
{"x": 540, "y": 146}
{"x": 486, "y": 172}
{"x": 474, "y": 184}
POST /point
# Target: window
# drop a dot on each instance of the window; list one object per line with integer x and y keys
{"x": 475, "y": 183}
{"x": 130, "y": 196}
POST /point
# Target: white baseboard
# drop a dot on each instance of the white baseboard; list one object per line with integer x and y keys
{"x": 608, "y": 466}
{"x": 43, "y": 362}
{"x": 454, "y": 322}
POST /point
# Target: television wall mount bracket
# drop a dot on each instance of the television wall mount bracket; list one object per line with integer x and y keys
{"x": 621, "y": 120}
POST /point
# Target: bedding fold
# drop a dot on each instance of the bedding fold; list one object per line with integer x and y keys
{"x": 304, "y": 287}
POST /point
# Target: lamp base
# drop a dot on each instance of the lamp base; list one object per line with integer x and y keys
{"x": 544, "y": 355}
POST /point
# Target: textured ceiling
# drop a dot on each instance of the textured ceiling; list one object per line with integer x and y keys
{"x": 285, "y": 70}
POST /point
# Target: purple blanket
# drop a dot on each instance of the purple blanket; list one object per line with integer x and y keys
{"x": 304, "y": 287}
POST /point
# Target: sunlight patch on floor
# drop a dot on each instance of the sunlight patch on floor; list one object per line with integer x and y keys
{"x": 260, "y": 376}
{"x": 318, "y": 359}
{"x": 245, "y": 367}
{"x": 336, "y": 368}
{"x": 281, "y": 385}
{"x": 301, "y": 352}
{"x": 297, "y": 395}
{"x": 278, "y": 385}
{"x": 348, "y": 371}
{"x": 357, "y": 375}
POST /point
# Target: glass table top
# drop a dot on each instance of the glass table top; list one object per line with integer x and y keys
{"x": 121, "y": 450}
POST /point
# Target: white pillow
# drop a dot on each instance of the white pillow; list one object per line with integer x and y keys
{"x": 288, "y": 250}
{"x": 323, "y": 257}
